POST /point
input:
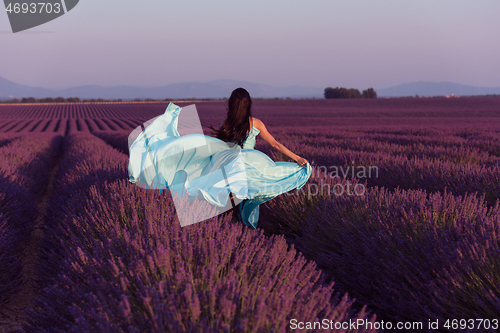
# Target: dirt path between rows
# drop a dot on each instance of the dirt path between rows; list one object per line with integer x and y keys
{"x": 24, "y": 298}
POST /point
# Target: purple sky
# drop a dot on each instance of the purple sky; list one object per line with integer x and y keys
{"x": 312, "y": 43}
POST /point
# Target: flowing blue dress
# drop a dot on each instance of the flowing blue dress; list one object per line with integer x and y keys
{"x": 207, "y": 168}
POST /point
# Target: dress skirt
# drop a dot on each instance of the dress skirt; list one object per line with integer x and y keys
{"x": 200, "y": 167}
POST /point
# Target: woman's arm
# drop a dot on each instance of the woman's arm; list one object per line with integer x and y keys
{"x": 266, "y": 136}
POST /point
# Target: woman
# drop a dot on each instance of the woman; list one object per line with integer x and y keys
{"x": 241, "y": 128}
{"x": 213, "y": 168}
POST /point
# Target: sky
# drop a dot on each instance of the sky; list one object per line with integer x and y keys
{"x": 319, "y": 43}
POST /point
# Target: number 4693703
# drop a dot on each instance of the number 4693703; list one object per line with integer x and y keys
{"x": 471, "y": 324}
{"x": 34, "y": 8}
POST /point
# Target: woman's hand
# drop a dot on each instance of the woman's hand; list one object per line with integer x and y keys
{"x": 301, "y": 161}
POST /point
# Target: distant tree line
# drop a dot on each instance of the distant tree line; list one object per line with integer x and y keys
{"x": 349, "y": 93}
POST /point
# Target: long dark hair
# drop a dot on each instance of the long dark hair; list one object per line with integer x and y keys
{"x": 236, "y": 126}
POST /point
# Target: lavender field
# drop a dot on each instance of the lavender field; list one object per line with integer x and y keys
{"x": 399, "y": 223}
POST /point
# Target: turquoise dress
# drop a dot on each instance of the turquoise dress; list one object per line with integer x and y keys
{"x": 203, "y": 167}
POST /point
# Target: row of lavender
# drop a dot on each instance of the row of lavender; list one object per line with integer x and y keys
{"x": 409, "y": 255}
{"x": 81, "y": 111}
{"x": 66, "y": 126}
{"x": 483, "y": 112}
{"x": 461, "y": 146}
{"x": 460, "y": 161}
{"x": 116, "y": 259}
{"x": 25, "y": 163}
{"x": 308, "y": 110}
{"x": 425, "y": 256}
{"x": 463, "y": 161}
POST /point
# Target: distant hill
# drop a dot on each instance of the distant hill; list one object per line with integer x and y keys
{"x": 9, "y": 89}
{"x": 223, "y": 88}
{"x": 212, "y": 89}
{"x": 435, "y": 89}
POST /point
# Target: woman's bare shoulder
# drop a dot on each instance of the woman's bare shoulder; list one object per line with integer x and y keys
{"x": 258, "y": 123}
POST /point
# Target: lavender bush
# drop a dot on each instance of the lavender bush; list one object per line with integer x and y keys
{"x": 408, "y": 254}
{"x": 24, "y": 167}
{"x": 131, "y": 267}
{"x": 444, "y": 146}
{"x": 7, "y": 138}
{"x": 117, "y": 140}
{"x": 86, "y": 161}
{"x": 399, "y": 170}
{"x": 10, "y": 264}
{"x": 118, "y": 260}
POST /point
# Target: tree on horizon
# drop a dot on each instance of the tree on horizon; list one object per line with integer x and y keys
{"x": 334, "y": 93}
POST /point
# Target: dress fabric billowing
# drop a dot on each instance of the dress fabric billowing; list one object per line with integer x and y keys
{"x": 208, "y": 168}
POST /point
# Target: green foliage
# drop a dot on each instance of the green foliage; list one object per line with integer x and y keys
{"x": 369, "y": 93}
{"x": 46, "y": 100}
{"x": 333, "y": 93}
{"x": 28, "y": 100}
